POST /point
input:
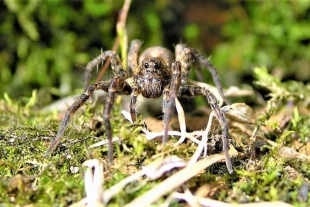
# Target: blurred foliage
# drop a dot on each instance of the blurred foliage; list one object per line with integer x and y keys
{"x": 42, "y": 41}
{"x": 274, "y": 34}
{"x": 288, "y": 91}
{"x": 46, "y": 44}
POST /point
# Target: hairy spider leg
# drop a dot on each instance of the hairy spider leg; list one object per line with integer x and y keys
{"x": 103, "y": 85}
{"x": 133, "y": 56}
{"x": 206, "y": 63}
{"x": 116, "y": 85}
{"x": 194, "y": 90}
{"x": 117, "y": 66}
{"x": 133, "y": 102}
{"x": 186, "y": 56}
{"x": 106, "y": 117}
{"x": 169, "y": 96}
{"x": 94, "y": 63}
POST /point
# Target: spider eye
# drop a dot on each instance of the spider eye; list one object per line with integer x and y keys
{"x": 156, "y": 66}
{"x": 146, "y": 65}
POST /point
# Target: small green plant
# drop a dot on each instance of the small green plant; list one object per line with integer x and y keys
{"x": 291, "y": 95}
{"x": 300, "y": 125}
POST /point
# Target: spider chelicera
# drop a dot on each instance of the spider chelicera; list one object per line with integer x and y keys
{"x": 154, "y": 75}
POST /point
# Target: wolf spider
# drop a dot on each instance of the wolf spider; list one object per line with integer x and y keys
{"x": 155, "y": 75}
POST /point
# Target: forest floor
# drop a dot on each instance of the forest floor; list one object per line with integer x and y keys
{"x": 270, "y": 154}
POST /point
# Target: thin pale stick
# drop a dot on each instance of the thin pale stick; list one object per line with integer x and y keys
{"x": 203, "y": 143}
{"x": 174, "y": 181}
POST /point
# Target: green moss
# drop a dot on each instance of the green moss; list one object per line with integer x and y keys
{"x": 29, "y": 178}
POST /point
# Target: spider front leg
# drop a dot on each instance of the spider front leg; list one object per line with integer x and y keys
{"x": 193, "y": 90}
{"x": 106, "y": 117}
{"x": 133, "y": 56}
{"x": 186, "y": 56}
{"x": 102, "y": 85}
{"x": 116, "y": 85}
{"x": 169, "y": 96}
{"x": 133, "y": 102}
{"x": 94, "y": 63}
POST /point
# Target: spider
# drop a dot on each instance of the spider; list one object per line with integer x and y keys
{"x": 154, "y": 75}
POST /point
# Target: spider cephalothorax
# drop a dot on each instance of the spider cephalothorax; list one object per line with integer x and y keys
{"x": 154, "y": 75}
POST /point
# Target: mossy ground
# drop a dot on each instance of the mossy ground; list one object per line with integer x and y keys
{"x": 29, "y": 178}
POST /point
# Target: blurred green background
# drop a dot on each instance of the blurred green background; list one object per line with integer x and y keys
{"x": 45, "y": 44}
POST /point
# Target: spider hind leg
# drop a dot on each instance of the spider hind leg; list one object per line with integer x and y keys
{"x": 194, "y": 90}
